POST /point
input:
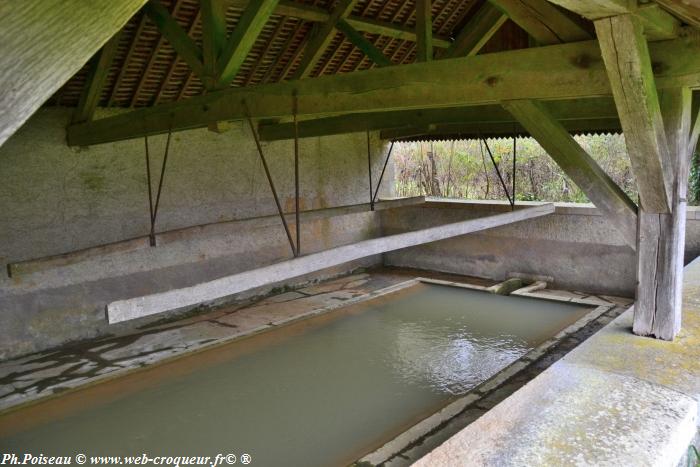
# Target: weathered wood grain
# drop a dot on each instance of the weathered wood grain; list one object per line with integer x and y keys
{"x": 424, "y": 31}
{"x": 628, "y": 63}
{"x": 661, "y": 243}
{"x": 44, "y": 43}
{"x": 543, "y": 21}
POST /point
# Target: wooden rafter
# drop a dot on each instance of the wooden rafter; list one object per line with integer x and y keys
{"x": 615, "y": 205}
{"x": 174, "y": 64}
{"x": 554, "y": 72}
{"x": 97, "y": 75}
{"x": 321, "y": 38}
{"x": 477, "y": 32}
{"x": 152, "y": 59}
{"x": 178, "y": 38}
{"x": 628, "y": 64}
{"x": 688, "y": 12}
{"x": 543, "y": 21}
{"x": 242, "y": 40}
{"x": 129, "y": 55}
{"x": 424, "y": 31}
{"x": 359, "y": 41}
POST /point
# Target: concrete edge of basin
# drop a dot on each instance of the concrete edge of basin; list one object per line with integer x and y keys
{"x": 617, "y": 399}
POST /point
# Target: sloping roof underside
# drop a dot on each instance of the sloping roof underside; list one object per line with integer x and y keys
{"x": 147, "y": 72}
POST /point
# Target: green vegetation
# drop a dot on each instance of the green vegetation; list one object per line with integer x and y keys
{"x": 463, "y": 169}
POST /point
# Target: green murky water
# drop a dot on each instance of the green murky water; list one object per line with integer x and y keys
{"x": 315, "y": 393}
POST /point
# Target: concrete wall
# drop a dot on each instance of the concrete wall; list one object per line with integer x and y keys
{"x": 55, "y": 199}
{"x": 575, "y": 246}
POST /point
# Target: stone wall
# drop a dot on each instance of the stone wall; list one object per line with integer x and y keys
{"x": 575, "y": 246}
{"x": 55, "y": 199}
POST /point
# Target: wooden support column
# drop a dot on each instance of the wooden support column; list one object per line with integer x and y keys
{"x": 661, "y": 243}
{"x": 578, "y": 165}
{"x": 424, "y": 31}
{"x": 626, "y": 56}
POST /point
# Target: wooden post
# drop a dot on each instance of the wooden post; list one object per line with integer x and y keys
{"x": 661, "y": 236}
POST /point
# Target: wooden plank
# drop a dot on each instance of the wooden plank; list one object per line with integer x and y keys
{"x": 424, "y": 31}
{"x": 242, "y": 39}
{"x": 566, "y": 71}
{"x": 178, "y": 38}
{"x": 477, "y": 32}
{"x": 579, "y": 109}
{"x": 213, "y": 38}
{"x": 359, "y": 41}
{"x": 615, "y": 205}
{"x": 323, "y": 35}
{"x": 92, "y": 90}
{"x": 628, "y": 63}
{"x": 46, "y": 42}
{"x": 28, "y": 267}
{"x": 661, "y": 248}
{"x": 133, "y": 308}
{"x": 543, "y": 21}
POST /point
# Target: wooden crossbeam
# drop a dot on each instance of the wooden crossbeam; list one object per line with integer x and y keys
{"x": 323, "y": 35}
{"x": 477, "y": 32}
{"x": 615, "y": 205}
{"x": 628, "y": 63}
{"x": 661, "y": 250}
{"x": 178, "y": 38}
{"x": 424, "y": 31}
{"x": 242, "y": 39}
{"x": 476, "y": 116}
{"x": 543, "y": 21}
{"x": 133, "y": 308}
{"x": 359, "y": 41}
{"x": 92, "y": 89}
{"x": 566, "y": 71}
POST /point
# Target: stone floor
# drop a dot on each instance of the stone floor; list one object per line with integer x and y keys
{"x": 50, "y": 373}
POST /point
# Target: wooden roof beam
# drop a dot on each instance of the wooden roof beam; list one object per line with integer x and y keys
{"x": 322, "y": 36}
{"x": 580, "y": 109}
{"x": 213, "y": 14}
{"x": 242, "y": 40}
{"x": 369, "y": 25}
{"x": 615, "y": 205}
{"x": 178, "y": 38}
{"x": 688, "y": 12}
{"x": 566, "y": 71}
{"x": 424, "y": 31}
{"x": 543, "y": 21}
{"x": 628, "y": 64}
{"x": 90, "y": 97}
{"x": 359, "y": 41}
{"x": 477, "y": 32}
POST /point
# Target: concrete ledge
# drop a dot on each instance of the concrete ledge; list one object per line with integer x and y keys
{"x": 617, "y": 399}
